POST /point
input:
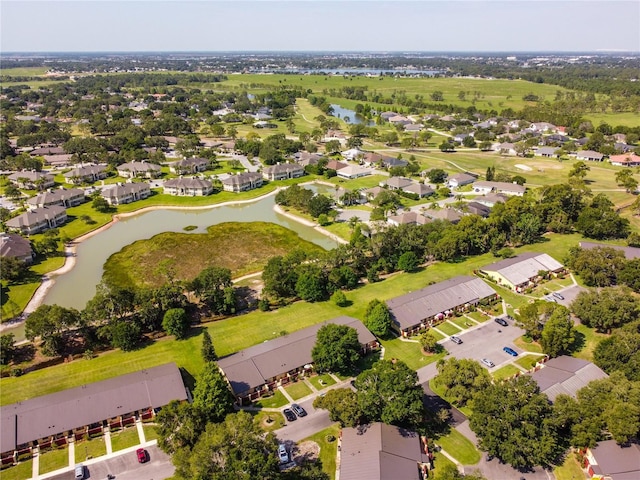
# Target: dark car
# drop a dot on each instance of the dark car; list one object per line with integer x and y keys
{"x": 455, "y": 339}
{"x": 289, "y": 415}
{"x": 301, "y": 412}
{"x": 141, "y": 453}
{"x": 510, "y": 351}
{"x": 502, "y": 321}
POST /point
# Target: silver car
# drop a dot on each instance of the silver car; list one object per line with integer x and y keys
{"x": 488, "y": 363}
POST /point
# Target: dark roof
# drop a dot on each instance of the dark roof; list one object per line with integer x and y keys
{"x": 380, "y": 451}
{"x": 617, "y": 462}
{"x": 12, "y": 245}
{"x": 283, "y": 168}
{"x": 59, "y": 412}
{"x": 410, "y": 309}
{"x": 255, "y": 365}
{"x": 566, "y": 375}
{"x": 629, "y": 252}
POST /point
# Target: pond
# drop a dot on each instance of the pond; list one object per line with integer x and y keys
{"x": 350, "y": 115}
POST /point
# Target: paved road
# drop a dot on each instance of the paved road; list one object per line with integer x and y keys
{"x": 315, "y": 421}
{"x": 246, "y": 163}
{"x": 495, "y": 470}
{"x": 435, "y": 403}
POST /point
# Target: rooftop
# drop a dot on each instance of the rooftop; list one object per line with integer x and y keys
{"x": 566, "y": 375}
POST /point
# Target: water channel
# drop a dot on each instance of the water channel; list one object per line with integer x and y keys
{"x": 75, "y": 288}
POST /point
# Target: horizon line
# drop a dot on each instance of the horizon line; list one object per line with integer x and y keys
{"x": 379, "y": 52}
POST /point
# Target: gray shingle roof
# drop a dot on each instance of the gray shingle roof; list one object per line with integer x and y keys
{"x": 618, "y": 462}
{"x": 12, "y": 245}
{"x": 629, "y": 252}
{"x": 35, "y": 216}
{"x": 188, "y": 183}
{"x": 522, "y": 268}
{"x": 566, "y": 375}
{"x": 242, "y": 178}
{"x": 57, "y": 196}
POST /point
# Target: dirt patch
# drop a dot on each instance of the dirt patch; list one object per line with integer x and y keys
{"x": 305, "y": 452}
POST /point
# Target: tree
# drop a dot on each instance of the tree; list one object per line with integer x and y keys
{"x": 208, "y": 352}
{"x": 210, "y": 285}
{"x": 408, "y": 262}
{"x": 332, "y": 146}
{"x": 178, "y": 425}
{"x": 429, "y": 342}
{"x": 437, "y": 175}
{"x": 12, "y": 269}
{"x": 606, "y": 308}
{"x": 311, "y": 285}
{"x": 624, "y": 178}
{"x": 579, "y": 170}
{"x": 342, "y": 404}
{"x": 378, "y": 318}
{"x": 620, "y": 351}
{"x": 211, "y": 395}
{"x": 7, "y": 348}
{"x": 491, "y": 171}
{"x": 337, "y": 348}
{"x": 176, "y": 323}
{"x": 48, "y": 322}
{"x": 389, "y": 393}
{"x": 339, "y": 298}
{"x": 101, "y": 205}
{"x": 533, "y": 316}
{"x": 558, "y": 333}
{"x": 12, "y": 192}
{"x": 447, "y": 146}
{"x": 598, "y": 267}
{"x": 125, "y": 335}
{"x": 461, "y": 379}
{"x": 235, "y": 449}
{"x": 629, "y": 275}
{"x": 514, "y": 422}
{"x": 600, "y": 221}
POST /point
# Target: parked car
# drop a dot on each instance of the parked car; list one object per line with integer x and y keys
{"x": 141, "y": 453}
{"x": 455, "y": 339}
{"x": 78, "y": 471}
{"x": 289, "y": 415}
{"x": 557, "y": 295}
{"x": 510, "y": 351}
{"x": 488, "y": 363}
{"x": 502, "y": 321}
{"x": 283, "y": 454}
{"x": 301, "y": 412}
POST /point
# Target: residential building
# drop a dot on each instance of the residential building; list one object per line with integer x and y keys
{"x": 610, "y": 461}
{"x": 86, "y": 174}
{"x": 306, "y": 158}
{"x": 47, "y": 150}
{"x": 546, "y": 152}
{"x": 15, "y": 246}
{"x": 352, "y": 154}
{"x": 590, "y": 155}
{"x": 38, "y": 220}
{"x": 139, "y": 169}
{"x": 353, "y": 171}
{"x": 476, "y": 208}
{"x": 260, "y": 369}
{"x": 484, "y": 187}
{"x": 522, "y": 271}
{"x": 283, "y": 171}
{"x": 542, "y": 127}
{"x": 191, "y": 187}
{"x": 372, "y": 159}
{"x": 336, "y": 165}
{"x": 431, "y": 305}
{"x": 87, "y": 409}
{"x": 506, "y": 148}
{"x": 189, "y": 165}
{"x": 625, "y": 160}
{"x": 460, "y": 180}
{"x": 490, "y": 199}
{"x": 63, "y": 197}
{"x": 391, "y": 162}
{"x": 420, "y": 189}
{"x": 242, "y": 182}
{"x": 408, "y": 218}
{"x": 382, "y": 452}
{"x": 126, "y": 193}
{"x": 396, "y": 183}
{"x": 630, "y": 253}
{"x": 566, "y": 375}
{"x": 32, "y": 180}
{"x": 371, "y": 193}
{"x": 446, "y": 214}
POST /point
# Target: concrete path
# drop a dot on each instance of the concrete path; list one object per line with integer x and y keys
{"x": 286, "y": 395}
{"x": 35, "y": 466}
{"x": 107, "y": 441}
{"x": 141, "y": 434}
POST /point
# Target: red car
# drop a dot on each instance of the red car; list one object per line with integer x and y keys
{"x": 142, "y": 455}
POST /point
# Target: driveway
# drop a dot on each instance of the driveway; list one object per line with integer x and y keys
{"x": 346, "y": 215}
{"x": 313, "y": 422}
{"x": 246, "y": 163}
{"x": 494, "y": 469}
{"x": 436, "y": 403}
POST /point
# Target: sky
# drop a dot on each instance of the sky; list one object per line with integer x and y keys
{"x": 319, "y": 25}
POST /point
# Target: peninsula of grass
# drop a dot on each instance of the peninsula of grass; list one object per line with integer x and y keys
{"x": 241, "y": 247}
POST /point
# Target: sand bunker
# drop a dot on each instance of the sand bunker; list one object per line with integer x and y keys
{"x": 523, "y": 167}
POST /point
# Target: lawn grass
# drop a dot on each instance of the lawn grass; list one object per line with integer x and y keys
{"x": 328, "y": 450}
{"x": 274, "y": 401}
{"x": 528, "y": 361}
{"x": 53, "y": 460}
{"x": 322, "y": 381}
{"x": 448, "y": 328}
{"x": 478, "y": 317}
{"x": 505, "y": 372}
{"x": 439, "y": 463}
{"x": 462, "y": 322}
{"x": 569, "y": 470}
{"x": 438, "y": 390}
{"x": 150, "y": 432}
{"x": 298, "y": 390}
{"x": 340, "y": 229}
{"x": 459, "y": 447}
{"x": 589, "y": 338}
{"x": 21, "y": 471}
{"x": 527, "y": 344}
{"x": 409, "y": 352}
{"x": 93, "y": 448}
{"x": 260, "y": 419}
{"x": 125, "y": 438}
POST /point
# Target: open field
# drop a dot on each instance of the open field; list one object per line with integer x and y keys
{"x": 588, "y": 338}
{"x": 505, "y": 372}
{"x": 241, "y": 247}
{"x": 328, "y": 449}
{"x": 125, "y": 438}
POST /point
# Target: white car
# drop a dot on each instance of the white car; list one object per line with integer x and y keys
{"x": 488, "y": 363}
{"x": 283, "y": 454}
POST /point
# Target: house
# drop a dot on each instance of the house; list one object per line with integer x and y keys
{"x": 542, "y": 127}
{"x": 242, "y": 182}
{"x": 38, "y": 220}
{"x": 459, "y": 138}
{"x": 139, "y": 169}
{"x": 522, "y": 271}
{"x": 88, "y": 409}
{"x": 306, "y": 158}
{"x": 408, "y": 218}
{"x": 47, "y": 150}
{"x": 126, "y": 193}
{"x": 283, "y": 171}
{"x": 353, "y": 171}
{"x": 428, "y": 306}
{"x": 260, "y": 369}
{"x": 483, "y": 187}
{"x": 590, "y": 155}
{"x": 57, "y": 160}
{"x": 625, "y": 160}
{"x": 396, "y": 183}
{"x": 64, "y": 198}
{"x": 390, "y": 162}
{"x": 86, "y": 174}
{"x": 630, "y": 253}
{"x": 413, "y": 127}
{"x": 622, "y": 147}
{"x": 371, "y": 193}
{"x": 387, "y": 115}
{"x": 16, "y": 246}
{"x": 189, "y": 165}
{"x": 419, "y": 189}
{"x": 382, "y": 452}
{"x": 491, "y": 199}
{"x": 399, "y": 120}
{"x": 546, "y": 152}
{"x": 192, "y": 187}
{"x": 608, "y": 460}
{"x": 476, "y": 208}
{"x": 336, "y": 165}
{"x": 32, "y": 180}
{"x": 342, "y": 196}
{"x": 566, "y": 375}
{"x": 372, "y": 159}
{"x": 460, "y": 180}
{"x": 505, "y": 148}
{"x": 445, "y": 214}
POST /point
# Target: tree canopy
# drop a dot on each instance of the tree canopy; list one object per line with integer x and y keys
{"x": 337, "y": 348}
{"x": 211, "y": 396}
{"x": 461, "y": 379}
{"x": 607, "y": 308}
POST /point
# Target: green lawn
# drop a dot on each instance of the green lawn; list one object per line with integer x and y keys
{"x": 53, "y": 460}
{"x": 448, "y": 328}
{"x": 527, "y": 344}
{"x": 478, "y": 317}
{"x": 569, "y": 470}
{"x": 528, "y": 361}
{"x": 409, "y": 352}
{"x": 341, "y": 229}
{"x": 274, "y": 401}
{"x": 93, "y": 448}
{"x": 268, "y": 421}
{"x": 125, "y": 438}
{"x": 298, "y": 390}
{"x": 440, "y": 392}
{"x": 328, "y": 450}
{"x": 589, "y": 338}
{"x": 322, "y": 381}
{"x": 505, "y": 372}
{"x": 439, "y": 462}
{"x": 459, "y": 447}
{"x": 462, "y": 322}
{"x": 21, "y": 471}
{"x": 150, "y": 432}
